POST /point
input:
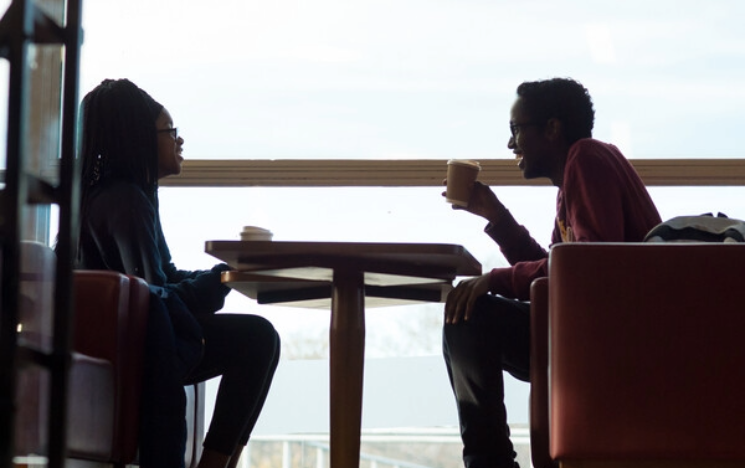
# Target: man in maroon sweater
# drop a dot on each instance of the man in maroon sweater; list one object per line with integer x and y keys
{"x": 487, "y": 323}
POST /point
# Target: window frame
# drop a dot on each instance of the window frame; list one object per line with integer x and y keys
{"x": 426, "y": 173}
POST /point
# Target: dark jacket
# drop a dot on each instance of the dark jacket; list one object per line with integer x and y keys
{"x": 121, "y": 231}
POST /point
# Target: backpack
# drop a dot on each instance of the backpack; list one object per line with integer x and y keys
{"x": 703, "y": 228}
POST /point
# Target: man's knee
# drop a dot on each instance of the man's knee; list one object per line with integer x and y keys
{"x": 466, "y": 333}
{"x": 484, "y": 310}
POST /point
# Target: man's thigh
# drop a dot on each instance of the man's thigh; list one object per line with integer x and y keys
{"x": 504, "y": 324}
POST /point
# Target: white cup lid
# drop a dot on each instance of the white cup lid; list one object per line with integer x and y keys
{"x": 255, "y": 230}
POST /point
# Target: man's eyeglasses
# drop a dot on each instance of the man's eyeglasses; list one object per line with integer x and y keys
{"x": 173, "y": 131}
{"x": 515, "y": 127}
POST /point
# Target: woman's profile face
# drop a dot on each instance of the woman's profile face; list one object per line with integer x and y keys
{"x": 169, "y": 146}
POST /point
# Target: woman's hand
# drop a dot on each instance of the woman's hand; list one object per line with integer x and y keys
{"x": 459, "y": 304}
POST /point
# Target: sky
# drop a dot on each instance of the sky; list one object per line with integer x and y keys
{"x": 422, "y": 79}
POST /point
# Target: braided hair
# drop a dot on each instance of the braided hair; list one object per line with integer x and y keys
{"x": 118, "y": 141}
{"x": 119, "y": 138}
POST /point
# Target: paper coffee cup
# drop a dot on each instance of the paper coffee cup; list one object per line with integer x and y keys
{"x": 462, "y": 174}
{"x": 255, "y": 233}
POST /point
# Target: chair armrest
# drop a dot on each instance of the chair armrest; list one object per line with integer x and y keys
{"x": 195, "y": 396}
{"x": 101, "y": 306}
{"x": 646, "y": 351}
{"x": 539, "y": 423}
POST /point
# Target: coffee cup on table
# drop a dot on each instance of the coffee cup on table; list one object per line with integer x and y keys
{"x": 462, "y": 174}
{"x": 255, "y": 233}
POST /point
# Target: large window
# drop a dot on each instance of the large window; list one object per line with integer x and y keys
{"x": 259, "y": 89}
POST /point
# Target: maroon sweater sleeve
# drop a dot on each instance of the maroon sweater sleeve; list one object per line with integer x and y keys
{"x": 514, "y": 240}
{"x": 514, "y": 282}
{"x": 527, "y": 257}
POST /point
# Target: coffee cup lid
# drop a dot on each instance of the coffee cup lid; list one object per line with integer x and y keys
{"x": 255, "y": 229}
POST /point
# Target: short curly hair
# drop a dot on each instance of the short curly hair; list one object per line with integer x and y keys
{"x": 564, "y": 99}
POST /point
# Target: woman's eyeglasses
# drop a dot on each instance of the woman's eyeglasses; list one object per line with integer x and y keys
{"x": 173, "y": 131}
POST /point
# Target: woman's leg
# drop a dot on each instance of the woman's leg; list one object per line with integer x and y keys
{"x": 244, "y": 350}
{"x": 163, "y": 403}
{"x": 233, "y": 463}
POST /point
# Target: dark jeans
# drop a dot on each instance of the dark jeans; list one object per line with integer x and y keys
{"x": 243, "y": 349}
{"x": 495, "y": 339}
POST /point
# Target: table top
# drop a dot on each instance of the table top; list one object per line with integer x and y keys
{"x": 443, "y": 261}
{"x": 300, "y": 273}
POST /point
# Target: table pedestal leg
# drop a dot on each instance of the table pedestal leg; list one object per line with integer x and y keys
{"x": 347, "y": 356}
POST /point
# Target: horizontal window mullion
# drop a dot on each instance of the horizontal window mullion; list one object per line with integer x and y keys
{"x": 426, "y": 173}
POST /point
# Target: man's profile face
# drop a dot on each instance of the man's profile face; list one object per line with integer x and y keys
{"x": 528, "y": 142}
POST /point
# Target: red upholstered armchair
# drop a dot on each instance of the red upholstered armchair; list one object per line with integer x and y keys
{"x": 110, "y": 322}
{"x": 645, "y": 354}
{"x": 106, "y": 372}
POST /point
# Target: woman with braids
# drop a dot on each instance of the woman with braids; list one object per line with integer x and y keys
{"x": 128, "y": 144}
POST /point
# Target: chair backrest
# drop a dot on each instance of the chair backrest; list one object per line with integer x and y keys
{"x": 646, "y": 352}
